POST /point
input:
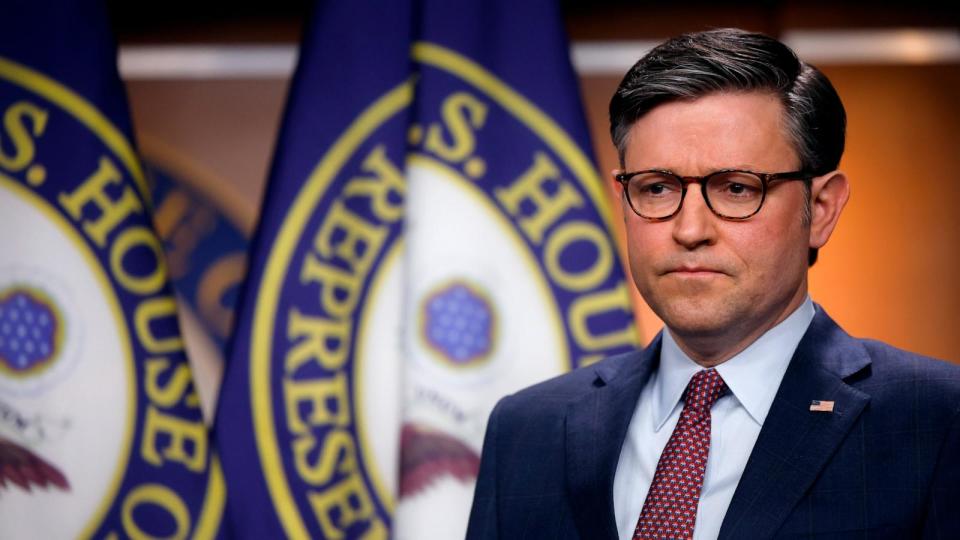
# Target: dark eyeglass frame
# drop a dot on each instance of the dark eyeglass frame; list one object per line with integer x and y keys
{"x": 765, "y": 180}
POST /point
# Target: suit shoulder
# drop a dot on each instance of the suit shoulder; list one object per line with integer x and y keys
{"x": 897, "y": 370}
{"x": 552, "y": 395}
{"x": 898, "y": 360}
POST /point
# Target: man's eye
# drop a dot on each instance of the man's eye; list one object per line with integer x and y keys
{"x": 656, "y": 189}
{"x": 739, "y": 190}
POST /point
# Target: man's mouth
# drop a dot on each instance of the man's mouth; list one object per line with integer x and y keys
{"x": 694, "y": 271}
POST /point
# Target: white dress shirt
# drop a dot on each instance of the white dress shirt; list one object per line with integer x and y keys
{"x": 752, "y": 376}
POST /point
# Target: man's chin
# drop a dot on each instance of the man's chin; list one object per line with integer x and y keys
{"x": 695, "y": 317}
{"x": 696, "y": 329}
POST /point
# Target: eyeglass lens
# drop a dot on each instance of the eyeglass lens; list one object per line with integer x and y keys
{"x": 732, "y": 194}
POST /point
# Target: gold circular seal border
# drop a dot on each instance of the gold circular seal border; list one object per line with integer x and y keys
{"x": 83, "y": 111}
{"x": 90, "y": 116}
{"x": 281, "y": 251}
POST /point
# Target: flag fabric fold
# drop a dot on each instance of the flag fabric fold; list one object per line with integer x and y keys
{"x": 101, "y": 433}
{"x": 434, "y": 236}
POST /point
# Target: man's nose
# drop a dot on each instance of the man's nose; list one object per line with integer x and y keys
{"x": 695, "y": 224}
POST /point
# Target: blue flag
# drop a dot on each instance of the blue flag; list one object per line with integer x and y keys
{"x": 100, "y": 427}
{"x": 434, "y": 236}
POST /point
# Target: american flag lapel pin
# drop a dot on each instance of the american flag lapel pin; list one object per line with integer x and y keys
{"x": 821, "y": 406}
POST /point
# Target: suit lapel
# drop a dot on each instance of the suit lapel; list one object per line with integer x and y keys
{"x": 795, "y": 443}
{"x": 596, "y": 425}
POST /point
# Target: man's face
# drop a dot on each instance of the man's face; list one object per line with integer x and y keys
{"x": 707, "y": 277}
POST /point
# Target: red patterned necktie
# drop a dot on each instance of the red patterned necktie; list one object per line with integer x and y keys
{"x": 670, "y": 509}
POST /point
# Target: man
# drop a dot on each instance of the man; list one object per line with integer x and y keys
{"x": 753, "y": 415}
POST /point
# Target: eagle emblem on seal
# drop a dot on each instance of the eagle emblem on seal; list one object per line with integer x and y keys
{"x": 21, "y": 467}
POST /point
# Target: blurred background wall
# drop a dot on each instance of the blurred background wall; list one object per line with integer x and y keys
{"x": 207, "y": 83}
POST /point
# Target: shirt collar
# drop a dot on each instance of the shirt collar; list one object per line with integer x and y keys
{"x": 753, "y": 375}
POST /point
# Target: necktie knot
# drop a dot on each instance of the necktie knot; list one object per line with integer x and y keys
{"x": 704, "y": 389}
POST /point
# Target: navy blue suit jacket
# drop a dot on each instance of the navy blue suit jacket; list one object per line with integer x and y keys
{"x": 884, "y": 464}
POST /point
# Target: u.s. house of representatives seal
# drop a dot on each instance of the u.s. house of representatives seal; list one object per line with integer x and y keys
{"x": 100, "y": 432}
{"x": 414, "y": 282}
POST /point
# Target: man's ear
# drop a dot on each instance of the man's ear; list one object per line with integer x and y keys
{"x": 828, "y": 195}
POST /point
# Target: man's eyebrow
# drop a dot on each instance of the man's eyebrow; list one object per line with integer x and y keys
{"x": 740, "y": 167}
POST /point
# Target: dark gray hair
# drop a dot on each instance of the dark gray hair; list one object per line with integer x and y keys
{"x": 694, "y": 65}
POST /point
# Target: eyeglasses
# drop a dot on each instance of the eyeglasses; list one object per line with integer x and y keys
{"x": 657, "y": 195}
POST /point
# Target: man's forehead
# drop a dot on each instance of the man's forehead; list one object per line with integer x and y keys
{"x": 718, "y": 102}
{"x": 721, "y": 129}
